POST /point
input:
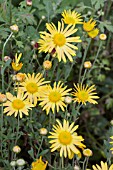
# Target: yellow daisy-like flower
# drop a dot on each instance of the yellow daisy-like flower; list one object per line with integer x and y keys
{"x": 103, "y": 166}
{"x": 17, "y": 105}
{"x": 65, "y": 139}
{"x": 54, "y": 97}
{"x": 39, "y": 164}
{"x": 15, "y": 64}
{"x": 84, "y": 94}
{"x": 111, "y": 143}
{"x": 59, "y": 40}
{"x": 89, "y": 26}
{"x": 93, "y": 33}
{"x": 71, "y": 17}
{"x": 31, "y": 86}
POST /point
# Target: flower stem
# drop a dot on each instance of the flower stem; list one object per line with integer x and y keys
{"x": 62, "y": 162}
{"x": 84, "y": 57}
{"x": 18, "y": 125}
{"x": 40, "y": 145}
{"x": 1, "y": 128}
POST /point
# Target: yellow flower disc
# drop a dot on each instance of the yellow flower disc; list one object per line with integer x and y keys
{"x": 18, "y": 104}
{"x": 65, "y": 138}
{"x": 54, "y": 96}
{"x": 83, "y": 95}
{"x": 32, "y": 87}
{"x": 59, "y": 39}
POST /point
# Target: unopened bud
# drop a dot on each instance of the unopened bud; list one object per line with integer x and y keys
{"x": 87, "y": 152}
{"x": 102, "y": 37}
{"x": 14, "y": 28}
{"x": 43, "y": 17}
{"x": 68, "y": 99}
{"x": 87, "y": 64}
{"x": 13, "y": 163}
{"x": 20, "y": 162}
{"x": 6, "y": 58}
{"x": 16, "y": 149}
{"x": 47, "y": 65}
{"x": 29, "y": 2}
{"x": 43, "y": 131}
{"x": 3, "y": 98}
{"x": 20, "y": 77}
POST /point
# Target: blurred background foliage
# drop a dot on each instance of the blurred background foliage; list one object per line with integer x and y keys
{"x": 95, "y": 121}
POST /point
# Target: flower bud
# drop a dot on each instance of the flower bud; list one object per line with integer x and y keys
{"x": 20, "y": 77}
{"x": 87, "y": 64}
{"x": 111, "y": 122}
{"x": 3, "y": 98}
{"x": 20, "y": 162}
{"x": 14, "y": 28}
{"x": 43, "y": 17}
{"x": 13, "y": 163}
{"x": 68, "y": 99}
{"x": 33, "y": 43}
{"x": 16, "y": 149}
{"x": 76, "y": 167}
{"x": 47, "y": 65}
{"x": 6, "y": 58}
{"x": 43, "y": 131}
{"x": 29, "y": 2}
{"x": 87, "y": 152}
{"x": 102, "y": 37}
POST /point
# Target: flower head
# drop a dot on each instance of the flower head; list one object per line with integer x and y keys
{"x": 31, "y": 86}
{"x": 93, "y": 33}
{"x": 47, "y": 65}
{"x": 71, "y": 17}
{"x": 89, "y": 26}
{"x": 17, "y": 104}
{"x": 87, "y": 152}
{"x": 87, "y": 64}
{"x": 15, "y": 64}
{"x": 59, "y": 40}
{"x": 102, "y": 37}
{"x": 65, "y": 139}
{"x": 103, "y": 166}
{"x": 111, "y": 143}
{"x": 39, "y": 164}
{"x": 84, "y": 94}
{"x": 16, "y": 149}
{"x": 52, "y": 98}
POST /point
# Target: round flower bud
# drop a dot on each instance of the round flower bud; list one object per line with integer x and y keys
{"x": 20, "y": 77}
{"x": 16, "y": 149}
{"x": 87, "y": 152}
{"x": 68, "y": 114}
{"x": 34, "y": 56}
{"x": 13, "y": 163}
{"x": 3, "y": 98}
{"x": 29, "y": 2}
{"x": 6, "y": 58}
{"x": 89, "y": 13}
{"x": 76, "y": 167}
{"x": 68, "y": 99}
{"x": 87, "y": 64}
{"x": 43, "y": 17}
{"x": 14, "y": 28}
{"x": 47, "y": 65}
{"x": 14, "y": 77}
{"x": 20, "y": 162}
{"x": 111, "y": 122}
{"x": 33, "y": 43}
{"x": 43, "y": 131}
{"x": 102, "y": 37}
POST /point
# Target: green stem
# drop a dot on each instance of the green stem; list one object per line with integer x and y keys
{"x": 87, "y": 159}
{"x": 84, "y": 57}
{"x": 18, "y": 125}
{"x": 3, "y": 59}
{"x": 100, "y": 45}
{"x": 62, "y": 162}
{"x": 1, "y": 128}
{"x": 40, "y": 145}
{"x": 84, "y": 76}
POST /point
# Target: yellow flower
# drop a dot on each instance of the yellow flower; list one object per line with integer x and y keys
{"x": 87, "y": 64}
{"x": 103, "y": 166}
{"x": 89, "y": 26}
{"x": 47, "y": 65}
{"x": 59, "y": 40}
{"x": 84, "y": 94}
{"x": 87, "y": 152}
{"x": 93, "y": 33}
{"x": 65, "y": 139}
{"x": 3, "y": 98}
{"x": 102, "y": 37}
{"x": 17, "y": 105}
{"x": 111, "y": 143}
{"x": 31, "y": 86}
{"x": 39, "y": 164}
{"x": 71, "y": 17}
{"x": 54, "y": 97}
{"x": 15, "y": 64}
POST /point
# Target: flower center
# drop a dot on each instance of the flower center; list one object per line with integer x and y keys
{"x": 18, "y": 104}
{"x": 54, "y": 96}
{"x": 83, "y": 95}
{"x": 32, "y": 87}
{"x": 59, "y": 39}
{"x": 65, "y": 137}
{"x": 70, "y": 20}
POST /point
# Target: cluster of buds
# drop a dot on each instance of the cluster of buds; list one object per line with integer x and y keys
{"x": 20, "y": 162}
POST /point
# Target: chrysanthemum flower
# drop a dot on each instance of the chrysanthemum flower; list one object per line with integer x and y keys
{"x": 93, "y": 33}
{"x": 15, "y": 64}
{"x": 84, "y": 94}
{"x": 53, "y": 97}
{"x": 65, "y": 139}
{"x": 39, "y": 164}
{"x": 89, "y": 26}
{"x": 71, "y": 17}
{"x": 17, "y": 105}
{"x": 59, "y": 40}
{"x": 31, "y": 86}
{"x": 103, "y": 166}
